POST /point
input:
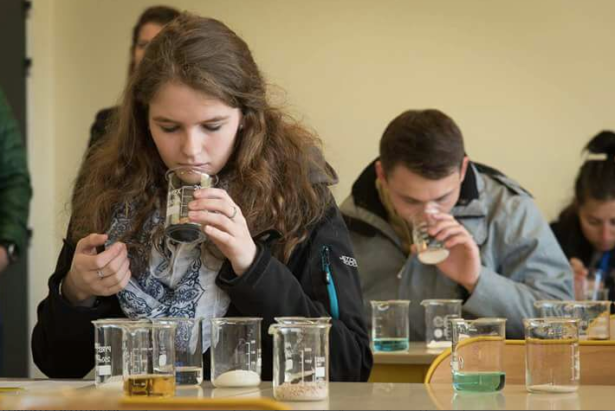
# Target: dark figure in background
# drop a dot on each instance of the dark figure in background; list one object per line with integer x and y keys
{"x": 151, "y": 21}
{"x": 586, "y": 228}
{"x": 15, "y": 188}
{"x": 15, "y": 193}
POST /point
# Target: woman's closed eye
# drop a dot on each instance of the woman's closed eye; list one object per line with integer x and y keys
{"x": 212, "y": 127}
{"x": 169, "y": 129}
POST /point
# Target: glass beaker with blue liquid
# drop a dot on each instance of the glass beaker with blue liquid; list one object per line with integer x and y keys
{"x": 478, "y": 348}
{"x": 390, "y": 325}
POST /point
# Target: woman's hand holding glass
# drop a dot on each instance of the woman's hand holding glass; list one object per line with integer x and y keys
{"x": 224, "y": 223}
{"x": 96, "y": 274}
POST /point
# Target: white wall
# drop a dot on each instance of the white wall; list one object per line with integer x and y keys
{"x": 41, "y": 91}
{"x": 527, "y": 81}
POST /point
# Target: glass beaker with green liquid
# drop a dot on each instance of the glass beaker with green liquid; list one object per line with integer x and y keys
{"x": 478, "y": 347}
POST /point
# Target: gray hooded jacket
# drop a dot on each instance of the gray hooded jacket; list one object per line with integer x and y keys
{"x": 521, "y": 259}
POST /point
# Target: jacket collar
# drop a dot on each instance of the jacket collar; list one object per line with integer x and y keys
{"x": 365, "y": 194}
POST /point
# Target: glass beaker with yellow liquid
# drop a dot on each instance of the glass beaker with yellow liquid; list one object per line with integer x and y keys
{"x": 149, "y": 359}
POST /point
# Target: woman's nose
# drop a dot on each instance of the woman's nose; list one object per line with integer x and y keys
{"x": 192, "y": 143}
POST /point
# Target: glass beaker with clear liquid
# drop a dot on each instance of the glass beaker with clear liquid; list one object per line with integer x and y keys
{"x": 188, "y": 348}
{"x": 108, "y": 361}
{"x": 183, "y": 181}
{"x": 552, "y": 354}
{"x": 592, "y": 287}
{"x": 437, "y": 314}
{"x": 390, "y": 325}
{"x": 149, "y": 359}
{"x": 593, "y": 316}
{"x": 478, "y": 347}
{"x": 236, "y": 352}
{"x": 429, "y": 250}
{"x": 300, "y": 359}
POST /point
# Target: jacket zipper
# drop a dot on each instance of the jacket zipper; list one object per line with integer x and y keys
{"x": 326, "y": 268}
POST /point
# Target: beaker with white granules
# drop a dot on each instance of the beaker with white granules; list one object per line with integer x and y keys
{"x": 429, "y": 249}
{"x": 300, "y": 360}
{"x": 437, "y": 314}
{"x": 236, "y": 352}
{"x": 183, "y": 182}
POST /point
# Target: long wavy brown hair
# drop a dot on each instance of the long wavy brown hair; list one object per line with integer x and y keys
{"x": 270, "y": 174}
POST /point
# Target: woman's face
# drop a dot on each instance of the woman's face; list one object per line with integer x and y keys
{"x": 598, "y": 223}
{"x": 147, "y": 32}
{"x": 191, "y": 128}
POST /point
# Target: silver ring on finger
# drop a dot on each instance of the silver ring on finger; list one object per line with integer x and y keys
{"x": 100, "y": 274}
{"x": 234, "y": 213}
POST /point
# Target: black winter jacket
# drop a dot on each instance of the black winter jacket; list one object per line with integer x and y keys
{"x": 63, "y": 338}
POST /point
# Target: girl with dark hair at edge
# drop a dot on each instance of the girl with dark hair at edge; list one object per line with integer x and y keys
{"x": 586, "y": 227}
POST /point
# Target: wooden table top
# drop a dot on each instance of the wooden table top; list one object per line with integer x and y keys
{"x": 342, "y": 396}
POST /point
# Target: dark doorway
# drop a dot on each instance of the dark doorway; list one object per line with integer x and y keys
{"x": 14, "y": 334}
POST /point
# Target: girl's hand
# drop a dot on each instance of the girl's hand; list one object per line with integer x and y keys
{"x": 222, "y": 221}
{"x": 578, "y": 268}
{"x": 96, "y": 274}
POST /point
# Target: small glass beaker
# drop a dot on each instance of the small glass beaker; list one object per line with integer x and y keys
{"x": 149, "y": 359}
{"x": 437, "y": 314}
{"x": 108, "y": 361}
{"x": 593, "y": 316}
{"x": 429, "y": 250}
{"x": 478, "y": 347}
{"x": 593, "y": 286}
{"x": 552, "y": 354}
{"x": 390, "y": 325}
{"x": 188, "y": 349}
{"x": 183, "y": 181}
{"x": 300, "y": 360}
{"x": 236, "y": 352}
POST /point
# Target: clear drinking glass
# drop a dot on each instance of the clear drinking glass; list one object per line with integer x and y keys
{"x": 390, "y": 325}
{"x": 300, "y": 360}
{"x": 183, "y": 181}
{"x": 592, "y": 287}
{"x": 437, "y": 313}
{"x": 552, "y": 354}
{"x": 188, "y": 349}
{"x": 593, "y": 316}
{"x": 430, "y": 250}
{"x": 236, "y": 352}
{"x": 478, "y": 347}
{"x": 108, "y": 352}
{"x": 149, "y": 359}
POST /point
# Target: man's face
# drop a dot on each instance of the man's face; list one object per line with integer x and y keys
{"x": 410, "y": 193}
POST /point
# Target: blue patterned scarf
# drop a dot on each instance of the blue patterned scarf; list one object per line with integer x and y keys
{"x": 170, "y": 280}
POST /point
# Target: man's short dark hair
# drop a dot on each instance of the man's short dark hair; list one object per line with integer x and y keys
{"x": 427, "y": 142}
